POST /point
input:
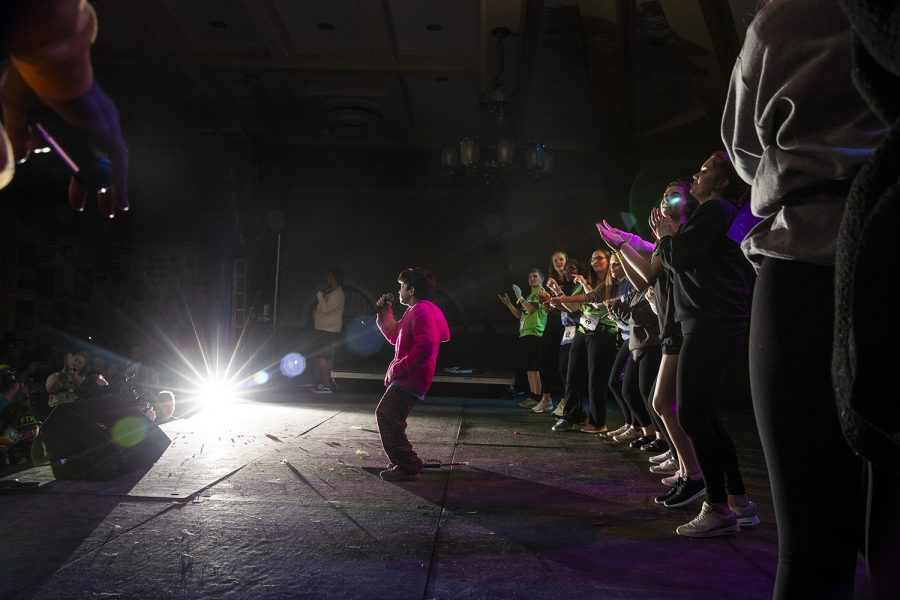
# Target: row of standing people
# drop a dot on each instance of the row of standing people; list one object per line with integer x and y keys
{"x": 668, "y": 371}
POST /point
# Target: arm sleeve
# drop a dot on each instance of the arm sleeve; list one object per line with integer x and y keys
{"x": 697, "y": 238}
{"x": 331, "y": 303}
{"x": 388, "y": 326}
{"x": 426, "y": 337}
{"x": 50, "y": 46}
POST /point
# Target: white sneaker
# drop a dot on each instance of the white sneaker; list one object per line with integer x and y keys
{"x": 709, "y": 523}
{"x": 747, "y": 516}
{"x": 661, "y": 458}
{"x": 560, "y": 408}
{"x": 668, "y": 467}
{"x": 543, "y": 406}
{"x": 671, "y": 479}
{"x": 620, "y": 430}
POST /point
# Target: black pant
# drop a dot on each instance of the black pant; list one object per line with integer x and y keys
{"x": 601, "y": 354}
{"x": 573, "y": 362}
{"x": 640, "y": 376}
{"x": 817, "y": 481}
{"x": 551, "y": 382}
{"x": 615, "y": 382}
{"x": 707, "y": 355}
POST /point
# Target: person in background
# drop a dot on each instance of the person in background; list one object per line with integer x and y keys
{"x": 64, "y": 384}
{"x": 49, "y": 43}
{"x": 328, "y": 322}
{"x": 532, "y": 317}
{"x": 416, "y": 338}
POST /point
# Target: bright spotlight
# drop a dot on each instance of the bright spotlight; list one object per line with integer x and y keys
{"x": 217, "y": 391}
{"x": 292, "y": 364}
{"x": 261, "y": 377}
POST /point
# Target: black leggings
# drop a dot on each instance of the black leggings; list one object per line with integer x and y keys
{"x": 573, "y": 367}
{"x": 550, "y": 379}
{"x": 590, "y": 359}
{"x": 616, "y": 381}
{"x": 707, "y": 355}
{"x": 640, "y": 376}
{"x": 817, "y": 482}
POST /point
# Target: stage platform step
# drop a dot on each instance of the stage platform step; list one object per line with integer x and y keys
{"x": 459, "y": 375}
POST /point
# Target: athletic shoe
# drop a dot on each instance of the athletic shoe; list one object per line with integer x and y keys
{"x": 666, "y": 468}
{"x": 543, "y": 406}
{"x": 397, "y": 474}
{"x": 641, "y": 441}
{"x": 563, "y": 425}
{"x": 747, "y": 516}
{"x": 321, "y": 389}
{"x": 620, "y": 430}
{"x": 592, "y": 429}
{"x": 656, "y": 445}
{"x": 671, "y": 479}
{"x": 688, "y": 491}
{"x": 560, "y": 408}
{"x": 661, "y": 458}
{"x": 528, "y": 403}
{"x": 669, "y": 492}
{"x": 629, "y": 436}
{"x": 709, "y": 523}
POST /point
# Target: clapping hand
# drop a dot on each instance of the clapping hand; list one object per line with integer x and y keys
{"x": 661, "y": 224}
{"x": 504, "y": 298}
{"x": 517, "y": 291}
{"x": 612, "y": 236}
{"x": 554, "y": 286}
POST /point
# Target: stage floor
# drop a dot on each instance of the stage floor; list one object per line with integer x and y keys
{"x": 282, "y": 500}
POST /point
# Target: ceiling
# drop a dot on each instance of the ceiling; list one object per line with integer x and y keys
{"x": 407, "y": 73}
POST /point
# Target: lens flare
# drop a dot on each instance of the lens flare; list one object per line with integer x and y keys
{"x": 292, "y": 365}
{"x": 261, "y": 377}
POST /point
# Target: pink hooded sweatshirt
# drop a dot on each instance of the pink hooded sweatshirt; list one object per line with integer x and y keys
{"x": 416, "y": 338}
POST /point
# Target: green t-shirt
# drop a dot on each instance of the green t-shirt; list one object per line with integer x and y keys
{"x": 533, "y": 323}
{"x": 596, "y": 319}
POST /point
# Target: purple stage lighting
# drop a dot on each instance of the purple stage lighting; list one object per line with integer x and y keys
{"x": 292, "y": 364}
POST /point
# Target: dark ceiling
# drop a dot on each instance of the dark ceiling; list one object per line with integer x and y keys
{"x": 407, "y": 73}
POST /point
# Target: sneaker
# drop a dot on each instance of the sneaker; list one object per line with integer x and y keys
{"x": 661, "y": 458}
{"x": 563, "y": 425}
{"x": 656, "y": 445}
{"x": 661, "y": 499}
{"x": 628, "y": 436}
{"x": 321, "y": 389}
{"x": 671, "y": 479}
{"x": 689, "y": 491}
{"x": 543, "y": 406}
{"x": 666, "y": 468}
{"x": 560, "y": 408}
{"x": 747, "y": 516}
{"x": 709, "y": 523}
{"x": 641, "y": 441}
{"x": 528, "y": 403}
{"x": 397, "y": 474}
{"x": 592, "y": 429}
{"x": 620, "y": 430}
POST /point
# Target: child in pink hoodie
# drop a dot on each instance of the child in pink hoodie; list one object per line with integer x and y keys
{"x": 416, "y": 337}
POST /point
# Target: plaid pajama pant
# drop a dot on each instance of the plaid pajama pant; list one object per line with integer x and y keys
{"x": 391, "y": 413}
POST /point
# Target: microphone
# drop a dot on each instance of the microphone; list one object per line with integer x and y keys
{"x": 385, "y": 302}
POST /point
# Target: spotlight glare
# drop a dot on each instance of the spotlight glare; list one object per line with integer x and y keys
{"x": 292, "y": 364}
{"x": 261, "y": 377}
{"x": 216, "y": 391}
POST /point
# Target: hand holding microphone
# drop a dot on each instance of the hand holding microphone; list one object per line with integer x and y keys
{"x": 385, "y": 302}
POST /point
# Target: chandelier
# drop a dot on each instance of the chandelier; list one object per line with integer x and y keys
{"x": 496, "y": 154}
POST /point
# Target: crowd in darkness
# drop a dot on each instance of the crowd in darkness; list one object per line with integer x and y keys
{"x": 33, "y": 381}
